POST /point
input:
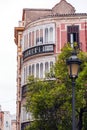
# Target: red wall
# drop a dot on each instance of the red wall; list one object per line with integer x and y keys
{"x": 62, "y": 37}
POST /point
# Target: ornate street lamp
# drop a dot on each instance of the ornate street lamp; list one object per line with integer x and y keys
{"x": 73, "y": 68}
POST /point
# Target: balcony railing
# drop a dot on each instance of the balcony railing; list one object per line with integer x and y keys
{"x": 44, "y": 48}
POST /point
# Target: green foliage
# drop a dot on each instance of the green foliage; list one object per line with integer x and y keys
{"x": 60, "y": 65}
{"x": 85, "y": 121}
{"x": 49, "y": 101}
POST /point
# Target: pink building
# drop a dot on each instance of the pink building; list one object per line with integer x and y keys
{"x": 39, "y": 38}
{"x": 1, "y": 120}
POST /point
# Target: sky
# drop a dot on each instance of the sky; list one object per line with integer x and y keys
{"x": 10, "y": 14}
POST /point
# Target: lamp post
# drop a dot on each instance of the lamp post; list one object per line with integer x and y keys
{"x": 73, "y": 67}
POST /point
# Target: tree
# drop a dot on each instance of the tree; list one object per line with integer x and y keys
{"x": 49, "y": 100}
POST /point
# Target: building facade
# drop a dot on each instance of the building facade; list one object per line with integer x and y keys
{"x": 6, "y": 120}
{"x": 13, "y": 122}
{"x": 40, "y": 36}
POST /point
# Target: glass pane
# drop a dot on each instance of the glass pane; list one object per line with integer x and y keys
{"x": 37, "y": 70}
{"x": 74, "y": 70}
{"x": 51, "y": 35}
{"x": 41, "y": 70}
{"x": 46, "y": 67}
{"x": 33, "y": 69}
{"x": 46, "y": 35}
{"x": 29, "y": 70}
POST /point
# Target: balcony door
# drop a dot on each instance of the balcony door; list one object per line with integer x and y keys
{"x": 73, "y": 34}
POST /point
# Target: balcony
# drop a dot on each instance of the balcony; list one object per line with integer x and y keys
{"x": 40, "y": 49}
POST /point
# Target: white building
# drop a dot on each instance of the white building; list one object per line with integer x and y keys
{"x": 6, "y": 120}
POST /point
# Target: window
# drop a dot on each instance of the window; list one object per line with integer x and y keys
{"x": 41, "y": 70}
{"x": 46, "y": 67}
{"x": 37, "y": 70}
{"x": 37, "y": 37}
{"x": 51, "y": 69}
{"x": 33, "y": 69}
{"x": 23, "y": 114}
{"x": 33, "y": 38}
{"x": 30, "y": 39}
{"x": 41, "y": 40}
{"x": 37, "y": 41}
{"x": 6, "y": 123}
{"x": 29, "y": 70}
{"x": 46, "y": 35}
{"x": 73, "y": 34}
{"x": 51, "y": 64}
{"x": 41, "y": 36}
{"x": 51, "y": 34}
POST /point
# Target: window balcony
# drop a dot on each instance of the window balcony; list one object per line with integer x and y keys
{"x": 40, "y": 49}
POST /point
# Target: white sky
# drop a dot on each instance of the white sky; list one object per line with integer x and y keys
{"x": 10, "y": 14}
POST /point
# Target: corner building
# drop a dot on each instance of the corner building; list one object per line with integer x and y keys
{"x": 39, "y": 38}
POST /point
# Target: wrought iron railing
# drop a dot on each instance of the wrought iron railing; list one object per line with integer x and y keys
{"x": 43, "y": 48}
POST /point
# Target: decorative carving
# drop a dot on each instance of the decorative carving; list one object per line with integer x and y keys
{"x": 63, "y": 7}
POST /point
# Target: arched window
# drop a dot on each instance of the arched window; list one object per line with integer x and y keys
{"x": 41, "y": 36}
{"x": 37, "y": 70}
{"x": 30, "y": 39}
{"x": 46, "y": 35}
{"x": 37, "y": 37}
{"x": 29, "y": 70}
{"x": 51, "y": 64}
{"x": 41, "y": 70}
{"x": 23, "y": 113}
{"x": 33, "y": 69}
{"x": 51, "y": 68}
{"x": 46, "y": 67}
{"x": 51, "y": 34}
